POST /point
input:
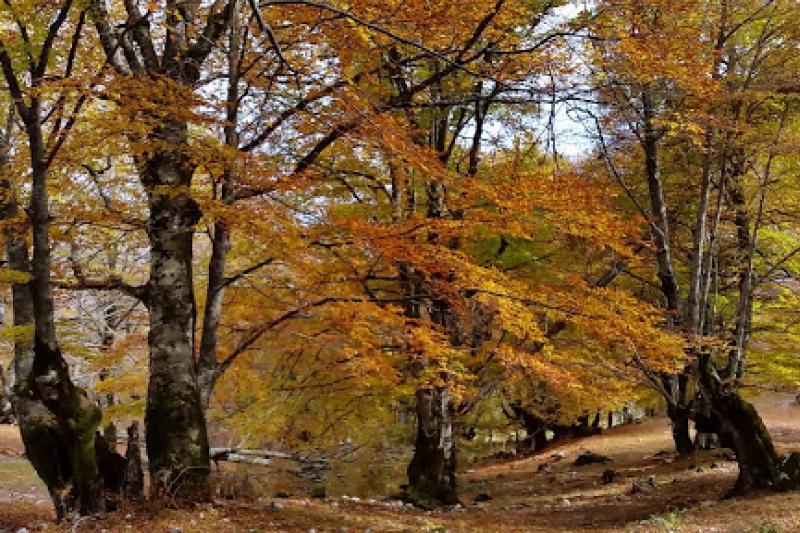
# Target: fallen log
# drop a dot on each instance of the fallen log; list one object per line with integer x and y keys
{"x": 263, "y": 457}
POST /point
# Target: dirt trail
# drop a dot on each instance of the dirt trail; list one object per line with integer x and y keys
{"x": 540, "y": 493}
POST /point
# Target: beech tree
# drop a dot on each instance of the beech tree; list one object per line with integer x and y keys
{"x": 177, "y": 439}
{"x": 658, "y": 98}
{"x": 53, "y": 413}
{"x": 322, "y": 214}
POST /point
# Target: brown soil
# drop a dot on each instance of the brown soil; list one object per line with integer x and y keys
{"x": 687, "y": 495}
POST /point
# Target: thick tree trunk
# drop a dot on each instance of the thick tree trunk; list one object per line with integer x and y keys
{"x": 742, "y": 430}
{"x": 177, "y": 441}
{"x": 679, "y": 419}
{"x": 58, "y": 424}
{"x": 176, "y": 435}
{"x": 432, "y": 471}
{"x": 679, "y": 410}
{"x": 57, "y": 420}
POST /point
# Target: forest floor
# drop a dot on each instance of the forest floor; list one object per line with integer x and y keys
{"x": 525, "y": 496}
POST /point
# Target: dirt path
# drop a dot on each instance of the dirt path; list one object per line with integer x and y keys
{"x": 540, "y": 493}
{"x": 23, "y": 498}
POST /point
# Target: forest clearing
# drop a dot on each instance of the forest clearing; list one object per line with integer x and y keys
{"x": 400, "y": 264}
{"x": 687, "y": 497}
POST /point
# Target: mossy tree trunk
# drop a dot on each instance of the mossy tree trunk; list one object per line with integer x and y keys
{"x": 49, "y": 382}
{"x": 741, "y": 429}
{"x": 432, "y": 471}
{"x": 176, "y": 435}
{"x": 177, "y": 440}
{"x": 57, "y": 421}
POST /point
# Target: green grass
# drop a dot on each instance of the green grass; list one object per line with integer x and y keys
{"x": 18, "y": 474}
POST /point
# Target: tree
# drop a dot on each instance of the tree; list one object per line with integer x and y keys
{"x": 53, "y": 412}
{"x": 659, "y": 100}
{"x": 177, "y": 439}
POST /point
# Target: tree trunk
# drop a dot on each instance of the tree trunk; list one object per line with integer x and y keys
{"x": 57, "y": 421}
{"x": 676, "y": 387}
{"x": 177, "y": 441}
{"x": 133, "y": 489}
{"x": 679, "y": 418}
{"x": 535, "y": 427}
{"x": 742, "y": 430}
{"x": 209, "y": 369}
{"x": 582, "y": 426}
{"x": 706, "y": 424}
{"x": 537, "y": 432}
{"x": 176, "y": 435}
{"x": 6, "y": 409}
{"x": 432, "y": 471}
{"x": 658, "y": 206}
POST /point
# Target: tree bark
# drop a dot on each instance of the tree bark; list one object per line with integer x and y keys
{"x": 432, "y": 471}
{"x": 133, "y": 488}
{"x": 679, "y": 412}
{"x": 49, "y": 384}
{"x": 741, "y": 429}
{"x": 57, "y": 421}
{"x": 661, "y": 232}
{"x": 677, "y": 409}
{"x": 209, "y": 369}
{"x": 177, "y": 440}
{"x": 535, "y": 427}
{"x": 706, "y": 424}
{"x": 679, "y": 419}
{"x": 6, "y": 408}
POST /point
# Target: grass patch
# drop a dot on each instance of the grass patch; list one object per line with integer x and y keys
{"x": 18, "y": 474}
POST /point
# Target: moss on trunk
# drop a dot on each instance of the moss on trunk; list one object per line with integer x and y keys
{"x": 742, "y": 430}
{"x": 60, "y": 446}
{"x": 432, "y": 471}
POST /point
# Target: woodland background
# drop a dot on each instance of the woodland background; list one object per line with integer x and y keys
{"x": 305, "y": 230}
